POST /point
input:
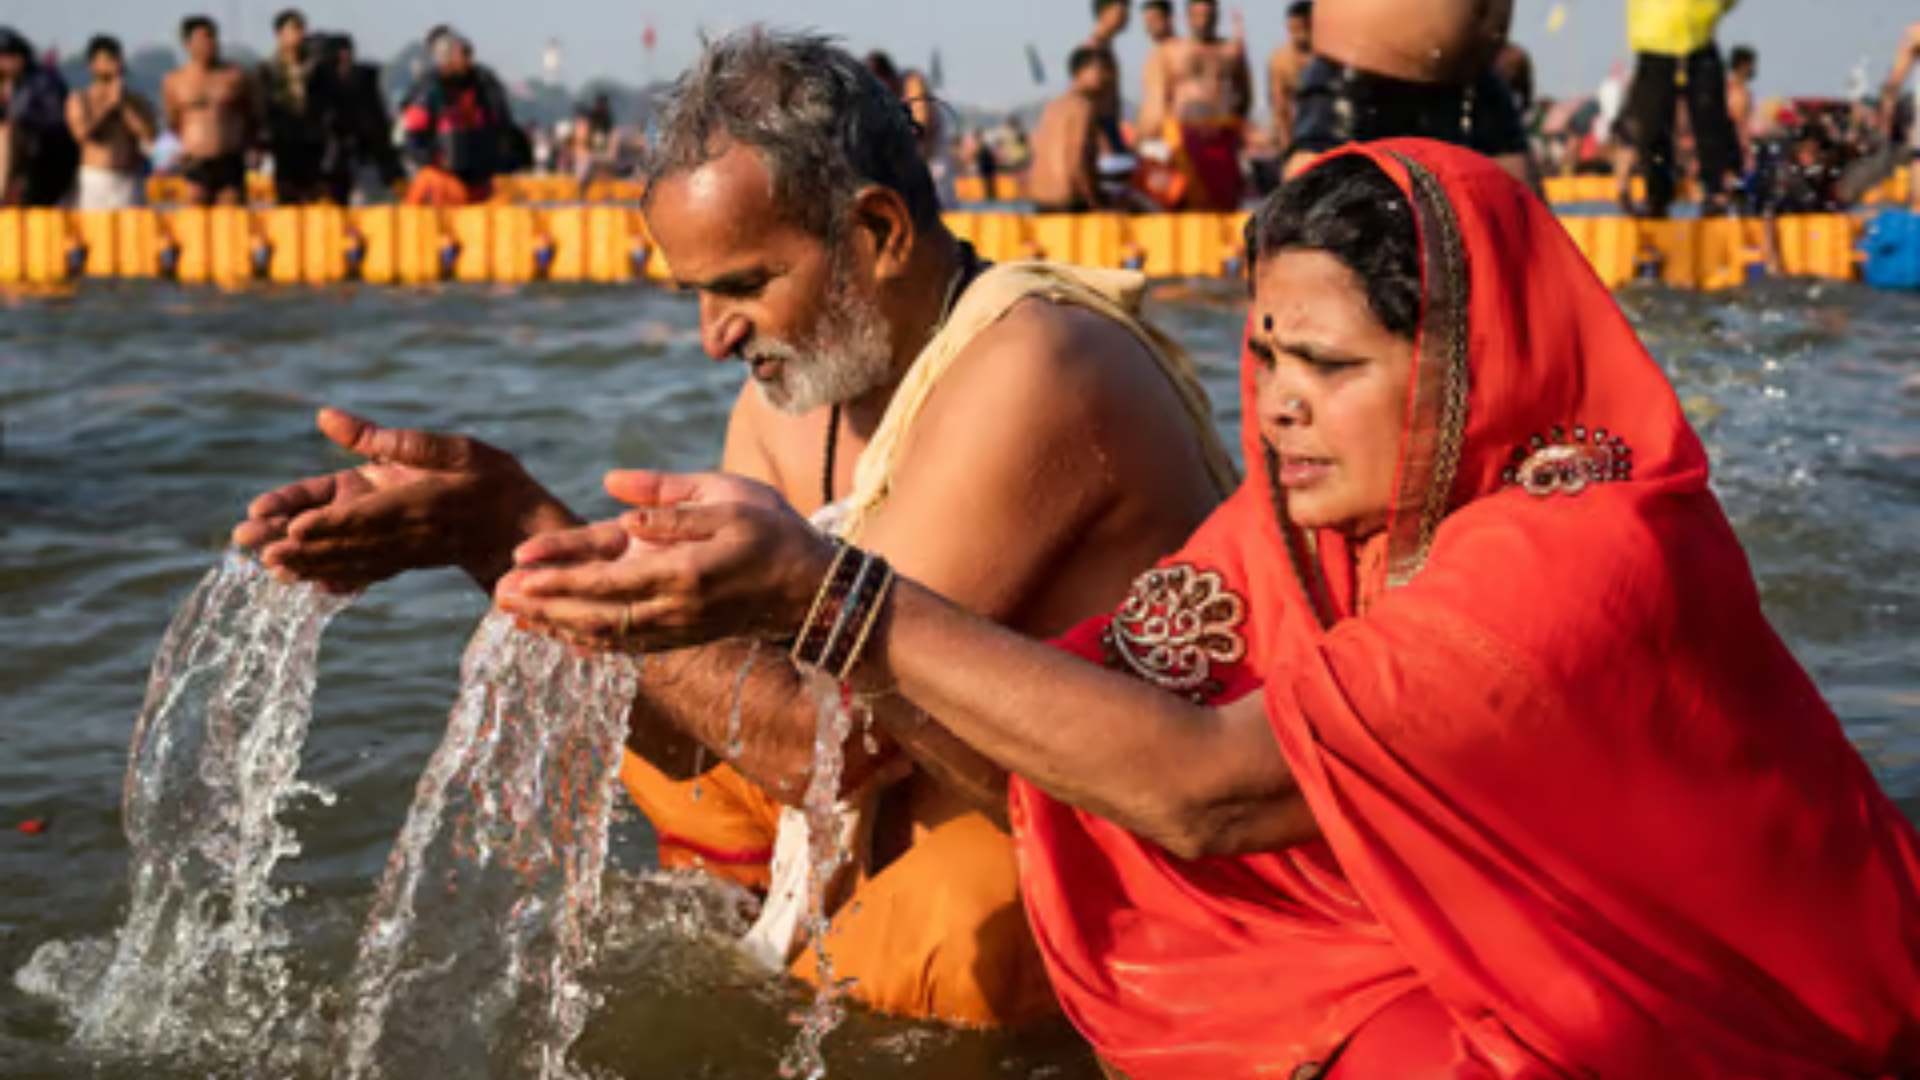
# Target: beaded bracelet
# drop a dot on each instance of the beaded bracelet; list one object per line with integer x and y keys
{"x": 844, "y": 612}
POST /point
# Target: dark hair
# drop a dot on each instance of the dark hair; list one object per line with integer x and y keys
{"x": 1100, "y": 6}
{"x": 1742, "y": 54}
{"x": 436, "y": 33}
{"x": 104, "y": 43}
{"x": 195, "y": 23}
{"x": 1086, "y": 56}
{"x": 290, "y": 15}
{"x": 1352, "y": 210}
{"x": 1300, "y": 9}
{"x": 13, "y": 44}
{"x": 823, "y": 124}
{"x": 1158, "y": 5}
{"x": 882, "y": 66}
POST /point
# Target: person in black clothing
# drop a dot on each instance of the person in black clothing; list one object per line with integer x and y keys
{"x": 302, "y": 102}
{"x": 363, "y": 128}
{"x": 41, "y": 160}
{"x": 458, "y": 123}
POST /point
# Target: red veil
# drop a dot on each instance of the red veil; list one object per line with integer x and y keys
{"x": 1571, "y": 784}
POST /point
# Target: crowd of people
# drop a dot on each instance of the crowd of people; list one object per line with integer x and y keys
{"x": 311, "y": 114}
{"x": 318, "y": 119}
{"x": 1452, "y": 741}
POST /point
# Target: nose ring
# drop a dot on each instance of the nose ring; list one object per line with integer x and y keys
{"x": 1294, "y": 405}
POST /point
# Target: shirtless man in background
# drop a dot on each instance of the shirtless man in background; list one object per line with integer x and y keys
{"x": 1743, "y": 66}
{"x": 1110, "y": 18}
{"x": 1065, "y": 175}
{"x": 215, "y": 110}
{"x": 1890, "y": 95}
{"x": 114, "y": 126}
{"x": 1284, "y": 69}
{"x": 1202, "y": 77}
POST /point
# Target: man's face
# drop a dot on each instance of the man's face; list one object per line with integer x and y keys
{"x": 1203, "y": 17}
{"x": 1748, "y": 70}
{"x": 801, "y": 316}
{"x": 12, "y": 66}
{"x": 203, "y": 45}
{"x": 106, "y": 67}
{"x": 291, "y": 36}
{"x": 1300, "y": 32}
{"x": 1158, "y": 22}
{"x": 459, "y": 59}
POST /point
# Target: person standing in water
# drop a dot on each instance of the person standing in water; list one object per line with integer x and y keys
{"x": 1743, "y": 66}
{"x": 895, "y": 386}
{"x": 302, "y": 96}
{"x": 215, "y": 111}
{"x": 114, "y": 125}
{"x": 1891, "y": 93}
{"x": 1285, "y": 68}
{"x": 38, "y": 155}
{"x": 1110, "y": 19}
{"x": 1199, "y": 92}
{"x": 1675, "y": 58}
{"x": 1065, "y": 177}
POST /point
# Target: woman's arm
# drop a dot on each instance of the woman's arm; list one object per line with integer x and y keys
{"x": 1197, "y": 780}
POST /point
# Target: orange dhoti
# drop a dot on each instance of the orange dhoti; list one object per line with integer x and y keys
{"x": 939, "y": 933}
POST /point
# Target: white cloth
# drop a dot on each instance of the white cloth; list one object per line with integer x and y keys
{"x": 780, "y": 932}
{"x": 109, "y": 189}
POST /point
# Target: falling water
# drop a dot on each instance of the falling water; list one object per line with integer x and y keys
{"x": 199, "y": 966}
{"x": 827, "y": 852}
{"x": 472, "y": 958}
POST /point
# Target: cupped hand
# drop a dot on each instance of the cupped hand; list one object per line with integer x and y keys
{"x": 422, "y": 500}
{"x": 701, "y": 558}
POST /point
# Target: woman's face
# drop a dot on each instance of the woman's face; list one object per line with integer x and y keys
{"x": 1331, "y": 392}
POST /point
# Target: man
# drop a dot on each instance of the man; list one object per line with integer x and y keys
{"x": 213, "y": 108}
{"x": 302, "y": 102}
{"x": 1065, "y": 177}
{"x": 786, "y": 190}
{"x": 1199, "y": 92}
{"x": 1284, "y": 69}
{"x": 114, "y": 125}
{"x": 1201, "y": 77}
{"x": 1156, "y": 18}
{"x": 459, "y": 128}
{"x": 38, "y": 156}
{"x": 1110, "y": 18}
{"x": 366, "y": 167}
{"x": 1396, "y": 68}
{"x": 1891, "y": 95}
{"x": 1742, "y": 68}
{"x": 1675, "y": 55}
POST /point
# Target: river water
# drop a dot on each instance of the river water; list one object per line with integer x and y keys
{"x": 136, "y": 422}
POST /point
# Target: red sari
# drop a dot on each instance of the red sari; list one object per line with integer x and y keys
{"x": 1578, "y": 799}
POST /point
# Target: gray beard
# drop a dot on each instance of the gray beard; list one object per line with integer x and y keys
{"x": 848, "y": 357}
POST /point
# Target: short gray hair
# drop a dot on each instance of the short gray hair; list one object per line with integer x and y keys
{"x": 825, "y": 127}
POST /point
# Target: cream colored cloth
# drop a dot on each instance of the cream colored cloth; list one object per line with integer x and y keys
{"x": 780, "y": 932}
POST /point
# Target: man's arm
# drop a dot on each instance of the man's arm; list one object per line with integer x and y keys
{"x": 1153, "y": 96}
{"x": 1897, "y": 78}
{"x": 1280, "y": 87}
{"x": 1242, "y": 83}
{"x": 1015, "y": 450}
{"x": 170, "y": 102}
{"x": 79, "y": 118}
{"x": 138, "y": 112}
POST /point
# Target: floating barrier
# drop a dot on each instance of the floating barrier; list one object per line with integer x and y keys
{"x": 399, "y": 245}
{"x": 555, "y": 190}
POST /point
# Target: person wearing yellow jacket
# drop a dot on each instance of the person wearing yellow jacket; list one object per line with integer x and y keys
{"x": 1675, "y": 54}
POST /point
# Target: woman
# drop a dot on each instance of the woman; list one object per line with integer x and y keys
{"x": 1454, "y": 745}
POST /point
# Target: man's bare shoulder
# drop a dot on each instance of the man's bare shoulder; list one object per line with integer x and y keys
{"x": 1055, "y": 368}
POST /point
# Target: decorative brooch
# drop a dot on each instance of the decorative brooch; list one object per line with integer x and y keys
{"x": 1555, "y": 463}
{"x": 1176, "y": 626}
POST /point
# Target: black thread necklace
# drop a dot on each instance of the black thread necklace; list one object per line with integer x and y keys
{"x": 970, "y": 267}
